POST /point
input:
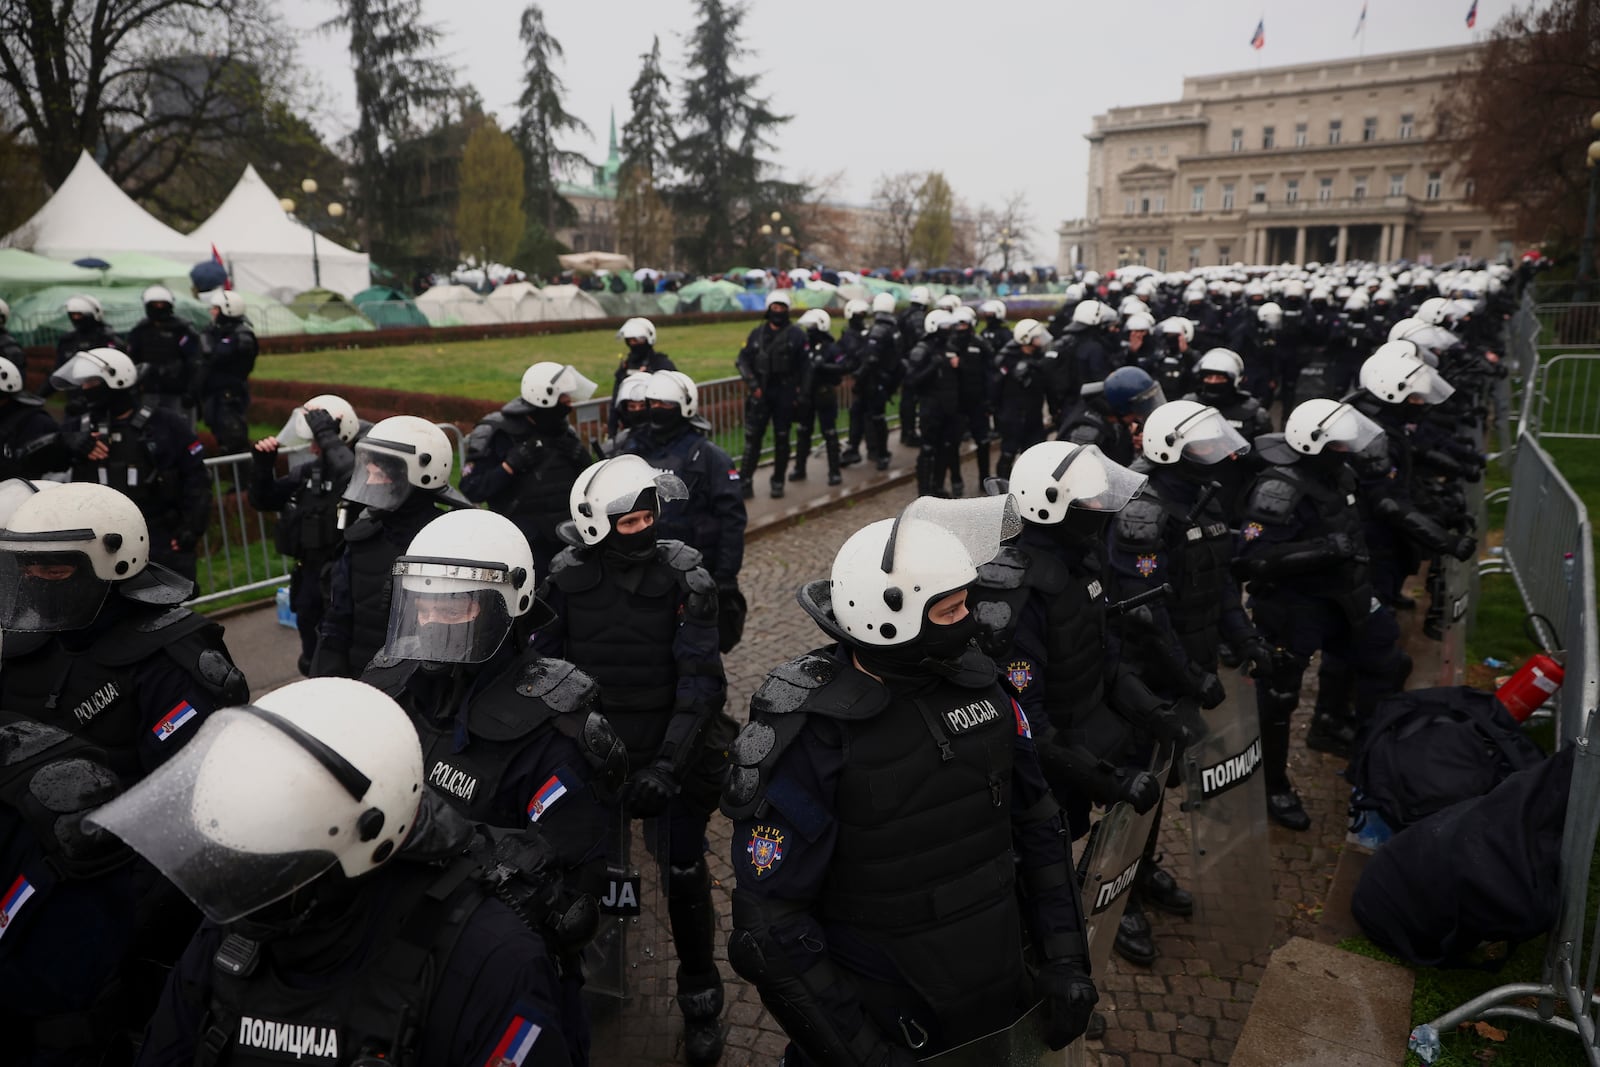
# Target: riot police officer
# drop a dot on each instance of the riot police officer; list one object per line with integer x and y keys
{"x": 1255, "y": 340}
{"x": 1094, "y": 354}
{"x": 1019, "y": 411}
{"x": 932, "y": 371}
{"x": 89, "y": 329}
{"x": 894, "y": 837}
{"x": 876, "y": 376}
{"x": 909, "y": 326}
{"x": 771, "y": 363}
{"x": 1305, "y": 557}
{"x": 171, "y": 349}
{"x": 975, "y": 379}
{"x": 1172, "y": 365}
{"x": 523, "y": 459}
{"x": 402, "y": 476}
{"x": 307, "y": 500}
{"x": 817, "y": 398}
{"x": 149, "y": 454}
{"x": 1108, "y": 413}
{"x": 229, "y": 348}
{"x": 1218, "y": 373}
{"x": 344, "y": 923}
{"x": 27, "y": 432}
{"x": 641, "y": 358}
{"x": 995, "y": 333}
{"x": 104, "y": 678}
{"x": 10, "y": 349}
{"x": 639, "y": 615}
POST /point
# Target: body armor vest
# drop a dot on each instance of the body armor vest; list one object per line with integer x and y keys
{"x": 129, "y": 466}
{"x": 1201, "y": 549}
{"x": 372, "y": 555}
{"x": 536, "y": 500}
{"x": 1335, "y": 511}
{"x": 308, "y": 526}
{"x": 159, "y": 347}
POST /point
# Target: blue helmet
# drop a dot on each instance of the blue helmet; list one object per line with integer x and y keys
{"x": 1130, "y": 391}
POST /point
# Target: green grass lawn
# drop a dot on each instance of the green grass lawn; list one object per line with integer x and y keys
{"x": 492, "y": 369}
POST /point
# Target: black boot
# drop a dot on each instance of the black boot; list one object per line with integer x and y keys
{"x": 780, "y": 461}
{"x": 850, "y": 457}
{"x": 983, "y": 460}
{"x": 694, "y": 927}
{"x": 1285, "y": 809}
{"x": 747, "y": 468}
{"x": 925, "y": 483}
{"x": 799, "y": 472}
{"x": 1135, "y": 941}
{"x": 830, "y": 446}
{"x": 1159, "y": 889}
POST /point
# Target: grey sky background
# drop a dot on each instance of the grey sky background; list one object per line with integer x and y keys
{"x": 998, "y": 96}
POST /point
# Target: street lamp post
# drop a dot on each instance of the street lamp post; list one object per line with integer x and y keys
{"x": 1586, "y": 251}
{"x": 335, "y": 210}
{"x": 774, "y": 230}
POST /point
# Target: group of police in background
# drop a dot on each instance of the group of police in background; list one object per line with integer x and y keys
{"x": 409, "y": 869}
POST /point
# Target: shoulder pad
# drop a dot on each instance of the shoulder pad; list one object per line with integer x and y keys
{"x": 27, "y": 400}
{"x": 1008, "y": 570}
{"x": 388, "y": 674}
{"x": 1139, "y": 524}
{"x": 156, "y": 585}
{"x": 789, "y": 685}
{"x": 678, "y": 555}
{"x": 559, "y": 684}
{"x": 1272, "y": 498}
{"x": 572, "y": 570}
{"x": 364, "y": 528}
{"x": 515, "y": 408}
{"x": 1272, "y": 448}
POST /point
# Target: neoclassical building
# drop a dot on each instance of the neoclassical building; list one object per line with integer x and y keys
{"x": 1321, "y": 161}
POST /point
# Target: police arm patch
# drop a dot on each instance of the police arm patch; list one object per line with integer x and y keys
{"x": 520, "y": 1035}
{"x": 173, "y": 720}
{"x": 766, "y": 849}
{"x": 546, "y": 796}
{"x": 1252, "y": 531}
{"x": 1020, "y": 674}
{"x": 1023, "y": 729}
{"x": 1145, "y": 565}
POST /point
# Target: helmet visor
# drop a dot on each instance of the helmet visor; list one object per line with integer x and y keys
{"x": 78, "y": 370}
{"x": 44, "y": 589}
{"x": 668, "y": 487}
{"x": 1208, "y": 438}
{"x": 1091, "y": 481}
{"x": 380, "y": 479}
{"x": 1427, "y": 383}
{"x": 1346, "y": 430}
{"x": 981, "y": 524}
{"x": 232, "y": 819}
{"x": 296, "y": 433}
{"x": 447, "y": 612}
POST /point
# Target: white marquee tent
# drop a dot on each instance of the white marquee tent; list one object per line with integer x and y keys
{"x": 456, "y": 305}
{"x": 268, "y": 252}
{"x": 90, "y": 216}
{"x": 519, "y": 302}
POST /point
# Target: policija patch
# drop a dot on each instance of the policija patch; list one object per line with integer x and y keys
{"x": 766, "y": 849}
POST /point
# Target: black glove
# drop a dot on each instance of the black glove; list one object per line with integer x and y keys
{"x": 1342, "y": 544}
{"x": 1140, "y": 789}
{"x": 1259, "y": 654}
{"x": 1205, "y": 687}
{"x": 1465, "y": 548}
{"x": 320, "y": 422}
{"x": 648, "y": 792}
{"x": 77, "y": 442}
{"x": 1069, "y": 998}
{"x": 523, "y": 458}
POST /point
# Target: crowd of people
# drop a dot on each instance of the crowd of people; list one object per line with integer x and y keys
{"x": 403, "y": 858}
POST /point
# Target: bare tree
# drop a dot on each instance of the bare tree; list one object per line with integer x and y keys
{"x": 822, "y": 229}
{"x": 895, "y": 207}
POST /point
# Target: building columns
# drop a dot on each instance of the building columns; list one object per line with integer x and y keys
{"x": 1383, "y": 244}
{"x": 1299, "y": 244}
{"x": 1344, "y": 240}
{"x": 1397, "y": 246}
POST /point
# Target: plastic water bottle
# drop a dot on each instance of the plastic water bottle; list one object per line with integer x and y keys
{"x": 1568, "y": 565}
{"x": 1424, "y": 1041}
{"x": 1497, "y": 664}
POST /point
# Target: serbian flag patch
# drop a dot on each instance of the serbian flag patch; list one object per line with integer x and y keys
{"x": 172, "y": 720}
{"x": 13, "y": 901}
{"x": 196, "y": 448}
{"x": 1023, "y": 729}
{"x": 552, "y": 791}
{"x": 515, "y": 1044}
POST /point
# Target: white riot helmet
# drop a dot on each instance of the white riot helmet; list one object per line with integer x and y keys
{"x": 919, "y": 295}
{"x": 297, "y": 431}
{"x": 60, "y": 552}
{"x": 108, "y": 365}
{"x": 1270, "y": 315}
{"x": 266, "y": 798}
{"x": 780, "y": 296}
{"x": 1293, "y": 289}
{"x": 936, "y": 320}
{"x": 674, "y": 387}
{"x": 82, "y": 304}
{"x": 1220, "y": 361}
{"x": 964, "y": 314}
{"x": 615, "y": 487}
{"x": 461, "y": 582}
{"x": 545, "y": 384}
{"x": 13, "y": 491}
{"x": 1403, "y": 327}
{"x": 816, "y": 319}
{"x": 1178, "y": 326}
{"x": 1320, "y": 423}
{"x": 10, "y": 377}
{"x": 1132, "y": 305}
{"x": 1075, "y": 291}
{"x": 1395, "y": 373}
{"x": 1031, "y": 332}
{"x": 1189, "y": 430}
{"x": 1087, "y": 313}
{"x": 400, "y": 454}
{"x": 1431, "y": 311}
{"x": 889, "y": 573}
{"x": 638, "y": 329}
{"x": 993, "y": 309}
{"x": 852, "y": 308}
{"x": 949, "y": 301}
{"x": 229, "y": 304}
{"x": 1356, "y": 301}
{"x": 1051, "y": 476}
{"x": 883, "y": 302}
{"x": 1139, "y": 320}
{"x": 634, "y": 387}
{"x": 157, "y": 294}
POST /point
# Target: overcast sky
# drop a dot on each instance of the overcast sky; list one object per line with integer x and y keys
{"x": 998, "y": 96}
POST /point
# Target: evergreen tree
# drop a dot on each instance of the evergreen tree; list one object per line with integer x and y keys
{"x": 726, "y": 124}
{"x": 543, "y": 117}
{"x": 489, "y": 218}
{"x": 934, "y": 233}
{"x": 647, "y": 137}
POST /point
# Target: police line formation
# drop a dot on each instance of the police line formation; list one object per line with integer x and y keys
{"x": 404, "y": 858}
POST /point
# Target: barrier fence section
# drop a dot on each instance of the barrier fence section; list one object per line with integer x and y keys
{"x": 1549, "y": 552}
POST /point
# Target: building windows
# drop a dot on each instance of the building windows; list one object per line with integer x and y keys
{"x": 1302, "y": 136}
{"x": 1324, "y": 189}
{"x": 1227, "y": 196}
{"x": 1142, "y": 256}
{"x": 1468, "y": 187}
{"x": 1335, "y": 130}
{"x": 1464, "y": 248}
{"x": 1258, "y": 193}
{"x": 1408, "y": 127}
{"x": 1369, "y": 129}
{"x": 1268, "y": 136}
{"x": 1236, "y": 141}
{"x": 1360, "y": 190}
{"x": 1131, "y": 207}
{"x": 1224, "y": 253}
{"x": 1133, "y": 151}
{"x": 1194, "y": 256}
{"x": 1435, "y": 185}
{"x": 1161, "y": 259}
{"x": 1197, "y": 197}
{"x": 1163, "y": 152}
{"x": 1291, "y": 190}
{"x": 1161, "y": 204}
{"x": 1397, "y": 185}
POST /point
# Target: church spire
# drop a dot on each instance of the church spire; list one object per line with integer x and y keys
{"x": 615, "y": 155}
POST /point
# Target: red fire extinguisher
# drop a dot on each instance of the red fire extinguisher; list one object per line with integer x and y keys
{"x": 1535, "y": 682}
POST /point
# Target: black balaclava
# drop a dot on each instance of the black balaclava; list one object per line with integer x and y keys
{"x": 1217, "y": 394}
{"x": 639, "y": 546}
{"x": 778, "y": 315}
{"x": 935, "y": 653}
{"x": 83, "y": 323}
{"x": 633, "y": 418}
{"x": 667, "y": 419}
{"x": 158, "y": 311}
{"x": 550, "y": 420}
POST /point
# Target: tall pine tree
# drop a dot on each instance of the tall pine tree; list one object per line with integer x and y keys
{"x": 726, "y": 125}
{"x": 647, "y": 135}
{"x": 543, "y": 117}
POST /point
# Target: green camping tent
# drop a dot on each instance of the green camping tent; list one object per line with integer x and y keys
{"x": 705, "y": 295}
{"x": 23, "y": 272}
{"x": 138, "y": 268}
{"x": 325, "y": 311}
{"x": 389, "y": 308}
{"x": 41, "y": 317}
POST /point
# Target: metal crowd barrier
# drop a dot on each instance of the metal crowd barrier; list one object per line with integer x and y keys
{"x": 1568, "y": 396}
{"x": 1549, "y": 553}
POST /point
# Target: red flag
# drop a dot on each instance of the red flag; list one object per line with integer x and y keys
{"x": 1472, "y": 15}
{"x": 1259, "y": 40}
{"x": 216, "y": 257}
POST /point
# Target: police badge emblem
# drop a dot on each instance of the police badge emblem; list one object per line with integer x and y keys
{"x": 1145, "y": 565}
{"x": 1252, "y": 531}
{"x": 1019, "y": 674}
{"x": 765, "y": 849}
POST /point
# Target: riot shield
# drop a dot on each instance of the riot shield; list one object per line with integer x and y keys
{"x": 1021, "y": 1044}
{"x": 1225, "y": 796}
{"x": 605, "y": 960}
{"x": 627, "y": 967}
{"x": 1318, "y": 378}
{"x": 1109, "y": 866}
